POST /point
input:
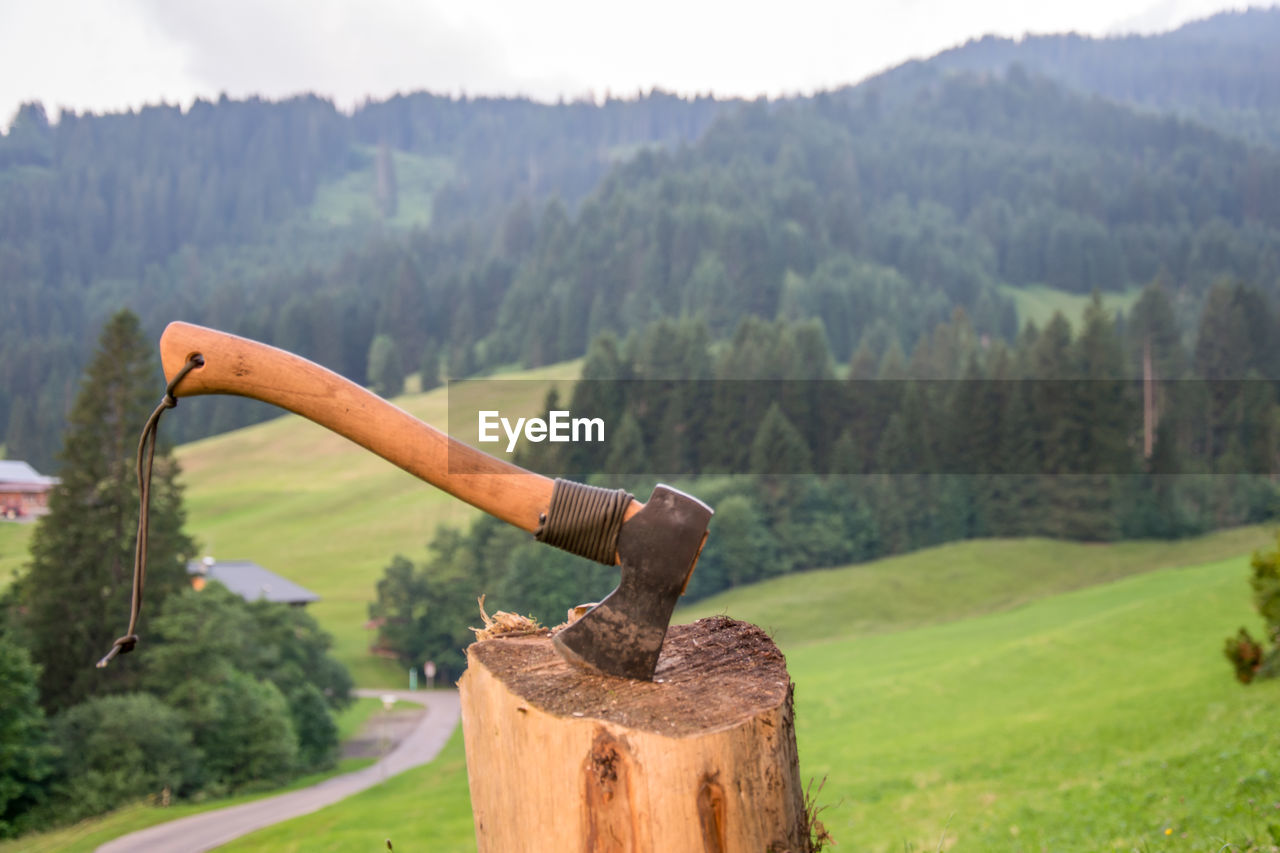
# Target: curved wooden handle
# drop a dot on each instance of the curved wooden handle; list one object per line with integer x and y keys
{"x": 235, "y": 365}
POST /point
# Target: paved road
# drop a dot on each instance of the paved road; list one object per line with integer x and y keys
{"x": 207, "y": 830}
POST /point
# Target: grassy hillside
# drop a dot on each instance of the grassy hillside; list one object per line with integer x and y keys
{"x": 317, "y": 509}
{"x": 1104, "y": 718}
{"x": 351, "y": 199}
{"x": 1037, "y": 303}
{"x": 951, "y": 582}
{"x": 15, "y": 539}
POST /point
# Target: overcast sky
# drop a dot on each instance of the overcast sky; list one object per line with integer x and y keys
{"x": 114, "y": 54}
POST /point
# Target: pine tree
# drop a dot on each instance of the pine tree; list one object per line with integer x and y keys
{"x": 429, "y": 366}
{"x": 1102, "y": 421}
{"x": 1153, "y": 327}
{"x": 626, "y": 456}
{"x": 779, "y": 449}
{"x": 385, "y": 194}
{"x": 386, "y": 371}
{"x": 862, "y": 366}
{"x": 746, "y": 550}
{"x": 75, "y": 594}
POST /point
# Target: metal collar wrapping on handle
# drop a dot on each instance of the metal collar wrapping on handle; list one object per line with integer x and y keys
{"x": 146, "y": 461}
{"x": 584, "y": 520}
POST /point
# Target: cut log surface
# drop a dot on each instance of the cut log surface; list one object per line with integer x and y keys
{"x": 701, "y": 759}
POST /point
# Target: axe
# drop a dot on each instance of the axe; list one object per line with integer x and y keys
{"x": 656, "y": 544}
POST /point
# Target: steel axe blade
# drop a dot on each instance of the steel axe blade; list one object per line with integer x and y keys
{"x": 657, "y": 550}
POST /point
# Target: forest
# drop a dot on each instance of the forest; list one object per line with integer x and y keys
{"x": 465, "y": 235}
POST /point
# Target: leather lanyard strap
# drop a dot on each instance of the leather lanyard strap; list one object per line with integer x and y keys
{"x": 584, "y": 520}
{"x": 146, "y": 461}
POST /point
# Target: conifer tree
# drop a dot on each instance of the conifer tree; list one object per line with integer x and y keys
{"x": 429, "y": 366}
{"x": 862, "y": 366}
{"x": 746, "y": 550}
{"x": 779, "y": 449}
{"x": 75, "y": 594}
{"x": 386, "y": 371}
{"x": 626, "y": 456}
{"x": 1153, "y": 327}
{"x": 1102, "y": 419}
{"x": 385, "y": 195}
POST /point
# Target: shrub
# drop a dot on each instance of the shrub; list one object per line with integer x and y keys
{"x": 120, "y": 748}
{"x": 241, "y": 726}
{"x": 316, "y": 730}
{"x": 1251, "y": 658}
{"x": 1245, "y": 654}
{"x": 25, "y": 754}
{"x": 216, "y": 633}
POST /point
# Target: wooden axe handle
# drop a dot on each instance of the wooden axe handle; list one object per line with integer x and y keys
{"x": 235, "y": 365}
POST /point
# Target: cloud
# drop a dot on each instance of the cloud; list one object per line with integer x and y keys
{"x": 347, "y": 51}
{"x": 115, "y": 54}
{"x": 101, "y": 55}
{"x": 1168, "y": 15}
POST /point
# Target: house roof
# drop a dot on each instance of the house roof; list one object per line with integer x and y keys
{"x": 252, "y": 582}
{"x": 15, "y": 472}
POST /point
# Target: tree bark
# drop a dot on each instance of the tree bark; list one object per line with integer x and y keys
{"x": 701, "y": 759}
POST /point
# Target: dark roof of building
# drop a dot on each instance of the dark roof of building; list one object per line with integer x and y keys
{"x": 16, "y": 473}
{"x": 252, "y": 582}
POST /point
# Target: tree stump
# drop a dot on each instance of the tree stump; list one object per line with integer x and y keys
{"x": 701, "y": 759}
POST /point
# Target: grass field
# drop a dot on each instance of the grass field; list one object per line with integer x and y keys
{"x": 1038, "y": 303}
{"x": 15, "y": 539}
{"x": 315, "y": 508}
{"x": 351, "y": 198}
{"x": 1098, "y": 718}
{"x": 951, "y": 582}
{"x": 1101, "y": 719}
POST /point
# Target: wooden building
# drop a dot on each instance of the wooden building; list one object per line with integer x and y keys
{"x": 23, "y": 492}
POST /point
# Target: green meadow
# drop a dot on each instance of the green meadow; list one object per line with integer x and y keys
{"x": 15, "y": 539}
{"x": 1038, "y": 303}
{"x": 1101, "y": 719}
{"x": 951, "y": 582}
{"x": 351, "y": 198}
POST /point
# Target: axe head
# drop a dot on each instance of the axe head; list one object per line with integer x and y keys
{"x": 657, "y": 549}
